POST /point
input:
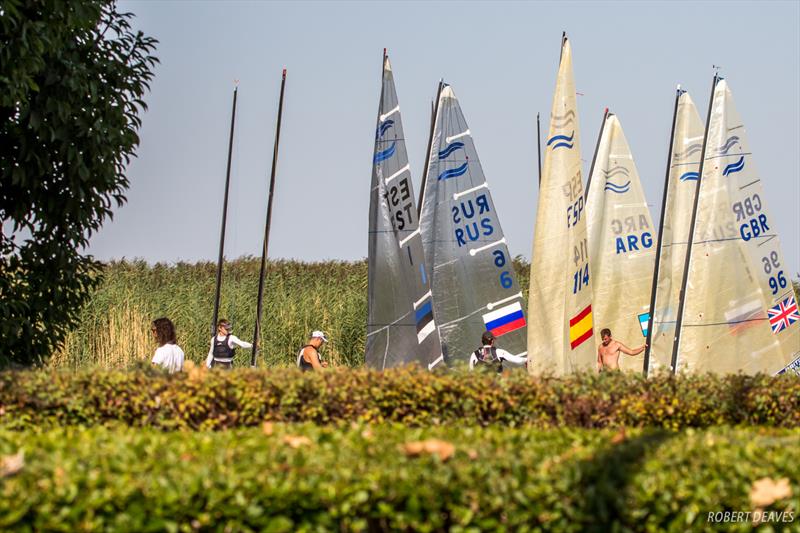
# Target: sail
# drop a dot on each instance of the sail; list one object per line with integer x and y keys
{"x": 474, "y": 284}
{"x": 621, "y": 242}
{"x": 739, "y": 312}
{"x": 676, "y": 216}
{"x": 400, "y": 324}
{"x": 560, "y": 328}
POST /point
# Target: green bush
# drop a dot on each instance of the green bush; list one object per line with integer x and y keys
{"x": 218, "y": 400}
{"x": 307, "y": 478}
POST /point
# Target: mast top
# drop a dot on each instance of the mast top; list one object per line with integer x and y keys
{"x": 284, "y": 74}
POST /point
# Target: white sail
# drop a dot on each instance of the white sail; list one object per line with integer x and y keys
{"x": 676, "y": 215}
{"x": 621, "y": 242}
{"x": 560, "y": 305}
{"x": 739, "y": 312}
{"x": 400, "y": 320}
{"x": 474, "y": 284}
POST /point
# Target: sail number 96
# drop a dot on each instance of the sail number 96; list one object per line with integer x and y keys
{"x": 506, "y": 281}
{"x": 771, "y": 263}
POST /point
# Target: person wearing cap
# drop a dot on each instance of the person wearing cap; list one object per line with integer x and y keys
{"x": 221, "y": 353}
{"x": 308, "y": 358}
{"x": 489, "y": 358}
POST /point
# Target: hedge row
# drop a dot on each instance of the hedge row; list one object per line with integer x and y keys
{"x": 381, "y": 478}
{"x": 218, "y": 400}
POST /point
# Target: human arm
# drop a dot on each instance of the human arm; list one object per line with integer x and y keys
{"x": 636, "y": 351}
{"x": 239, "y": 342}
{"x": 599, "y": 360}
{"x": 472, "y": 360}
{"x": 511, "y": 358}
{"x": 210, "y": 357}
{"x": 157, "y": 358}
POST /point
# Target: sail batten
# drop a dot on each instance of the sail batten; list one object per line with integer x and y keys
{"x": 560, "y": 304}
{"x": 737, "y": 312}
{"x": 473, "y": 280}
{"x": 400, "y": 320}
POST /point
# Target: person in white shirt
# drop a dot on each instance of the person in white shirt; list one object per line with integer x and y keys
{"x": 221, "y": 353}
{"x": 168, "y": 354}
{"x": 487, "y": 357}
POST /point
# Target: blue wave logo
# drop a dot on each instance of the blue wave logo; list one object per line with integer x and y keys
{"x": 692, "y": 149}
{"x": 453, "y": 172}
{"x": 450, "y": 149}
{"x": 734, "y": 167}
{"x": 385, "y": 154}
{"x": 564, "y": 141}
{"x": 383, "y": 127}
{"x": 690, "y": 176}
{"x": 730, "y": 143}
{"x": 618, "y": 189}
{"x": 616, "y": 171}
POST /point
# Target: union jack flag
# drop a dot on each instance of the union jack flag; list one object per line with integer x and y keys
{"x": 783, "y": 315}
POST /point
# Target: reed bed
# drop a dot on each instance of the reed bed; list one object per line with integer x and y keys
{"x": 114, "y": 330}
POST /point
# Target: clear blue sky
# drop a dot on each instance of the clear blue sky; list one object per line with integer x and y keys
{"x": 501, "y": 59}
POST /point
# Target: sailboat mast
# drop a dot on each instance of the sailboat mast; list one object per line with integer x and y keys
{"x": 679, "y": 323}
{"x": 594, "y": 157}
{"x": 224, "y": 217}
{"x": 657, "y": 268}
{"x": 264, "y": 250}
{"x": 428, "y": 152}
{"x": 539, "y": 145}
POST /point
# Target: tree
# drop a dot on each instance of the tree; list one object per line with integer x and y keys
{"x": 72, "y": 78}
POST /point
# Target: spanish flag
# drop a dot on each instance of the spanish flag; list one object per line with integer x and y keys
{"x": 580, "y": 327}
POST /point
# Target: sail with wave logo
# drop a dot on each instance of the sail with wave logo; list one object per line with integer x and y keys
{"x": 474, "y": 284}
{"x": 683, "y": 166}
{"x": 400, "y": 319}
{"x": 621, "y": 241}
{"x": 560, "y": 328}
{"x": 738, "y": 312}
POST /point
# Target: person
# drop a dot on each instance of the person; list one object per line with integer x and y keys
{"x": 608, "y": 351}
{"x": 309, "y": 358}
{"x": 221, "y": 353}
{"x": 489, "y": 358}
{"x": 168, "y": 354}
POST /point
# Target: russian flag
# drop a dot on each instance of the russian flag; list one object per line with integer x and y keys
{"x": 505, "y": 319}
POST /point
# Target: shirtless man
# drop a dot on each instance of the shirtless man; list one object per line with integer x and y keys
{"x": 608, "y": 351}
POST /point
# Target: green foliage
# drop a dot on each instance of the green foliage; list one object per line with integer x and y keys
{"x": 199, "y": 399}
{"x": 72, "y": 77}
{"x": 364, "y": 478}
{"x": 114, "y": 327}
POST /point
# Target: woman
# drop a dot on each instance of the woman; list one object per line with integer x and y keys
{"x": 168, "y": 354}
{"x": 221, "y": 353}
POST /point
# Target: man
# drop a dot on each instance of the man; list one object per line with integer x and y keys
{"x": 221, "y": 353}
{"x": 489, "y": 358}
{"x": 309, "y": 358}
{"x": 608, "y": 351}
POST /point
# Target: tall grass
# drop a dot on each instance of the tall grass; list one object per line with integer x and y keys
{"x": 114, "y": 331}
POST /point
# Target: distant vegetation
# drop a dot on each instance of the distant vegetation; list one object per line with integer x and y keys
{"x": 114, "y": 330}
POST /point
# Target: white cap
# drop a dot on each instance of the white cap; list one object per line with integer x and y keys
{"x": 319, "y": 335}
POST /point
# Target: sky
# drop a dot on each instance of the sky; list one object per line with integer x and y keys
{"x": 500, "y": 58}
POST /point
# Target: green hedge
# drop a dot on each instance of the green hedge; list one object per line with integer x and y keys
{"x": 303, "y": 478}
{"x": 220, "y": 400}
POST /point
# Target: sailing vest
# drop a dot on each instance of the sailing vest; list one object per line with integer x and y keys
{"x": 488, "y": 360}
{"x": 304, "y": 365}
{"x": 223, "y": 353}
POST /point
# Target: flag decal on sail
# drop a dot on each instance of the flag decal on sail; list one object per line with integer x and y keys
{"x": 744, "y": 316}
{"x": 505, "y": 319}
{"x": 644, "y": 320}
{"x": 425, "y": 323}
{"x": 783, "y": 315}
{"x": 580, "y": 327}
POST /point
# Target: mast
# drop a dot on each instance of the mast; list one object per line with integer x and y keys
{"x": 224, "y": 216}
{"x": 539, "y": 145}
{"x": 594, "y": 157}
{"x": 657, "y": 268}
{"x": 264, "y": 250}
{"x": 428, "y": 153}
{"x": 681, "y": 305}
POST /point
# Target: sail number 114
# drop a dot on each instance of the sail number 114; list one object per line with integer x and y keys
{"x": 580, "y": 279}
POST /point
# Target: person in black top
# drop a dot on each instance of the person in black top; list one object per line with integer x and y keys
{"x": 221, "y": 352}
{"x": 309, "y": 358}
{"x": 491, "y": 359}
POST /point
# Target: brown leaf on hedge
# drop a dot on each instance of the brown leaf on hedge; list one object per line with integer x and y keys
{"x": 11, "y": 464}
{"x": 267, "y": 428}
{"x": 766, "y": 491}
{"x": 443, "y": 449}
{"x": 296, "y": 441}
{"x": 619, "y": 436}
